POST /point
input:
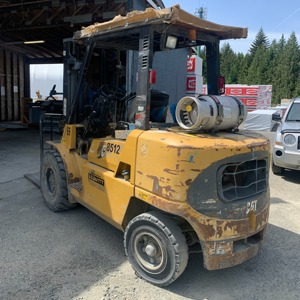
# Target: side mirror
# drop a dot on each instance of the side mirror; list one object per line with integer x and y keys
{"x": 276, "y": 117}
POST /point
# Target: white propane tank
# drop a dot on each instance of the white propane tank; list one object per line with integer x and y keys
{"x": 210, "y": 113}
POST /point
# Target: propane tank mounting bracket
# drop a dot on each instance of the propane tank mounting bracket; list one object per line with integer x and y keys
{"x": 220, "y": 110}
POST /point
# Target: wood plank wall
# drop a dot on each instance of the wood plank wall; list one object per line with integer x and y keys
{"x": 11, "y": 85}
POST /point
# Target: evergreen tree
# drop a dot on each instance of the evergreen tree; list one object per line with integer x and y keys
{"x": 276, "y": 50}
{"x": 239, "y": 69}
{"x": 260, "y": 40}
{"x": 259, "y": 66}
{"x": 244, "y": 64}
{"x": 287, "y": 70}
{"x": 293, "y": 51}
{"x": 227, "y": 57}
{"x": 202, "y": 54}
{"x": 297, "y": 89}
{"x": 277, "y": 64}
{"x": 281, "y": 44}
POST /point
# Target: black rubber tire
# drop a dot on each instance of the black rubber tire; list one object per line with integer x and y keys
{"x": 154, "y": 236}
{"x": 54, "y": 182}
{"x": 277, "y": 170}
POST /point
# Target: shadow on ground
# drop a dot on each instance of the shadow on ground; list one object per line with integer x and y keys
{"x": 291, "y": 176}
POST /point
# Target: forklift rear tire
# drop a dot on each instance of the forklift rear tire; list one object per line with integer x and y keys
{"x": 54, "y": 182}
{"x": 156, "y": 248}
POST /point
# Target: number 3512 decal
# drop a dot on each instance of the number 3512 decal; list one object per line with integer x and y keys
{"x": 110, "y": 147}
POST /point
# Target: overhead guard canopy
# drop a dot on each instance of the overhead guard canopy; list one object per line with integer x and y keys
{"x": 174, "y": 15}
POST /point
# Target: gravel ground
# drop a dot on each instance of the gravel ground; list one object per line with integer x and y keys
{"x": 76, "y": 255}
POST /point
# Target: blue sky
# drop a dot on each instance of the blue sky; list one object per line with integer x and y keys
{"x": 275, "y": 17}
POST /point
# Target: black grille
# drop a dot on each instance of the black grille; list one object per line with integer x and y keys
{"x": 242, "y": 180}
{"x": 298, "y": 146}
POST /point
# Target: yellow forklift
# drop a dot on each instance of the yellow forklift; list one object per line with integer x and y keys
{"x": 196, "y": 183}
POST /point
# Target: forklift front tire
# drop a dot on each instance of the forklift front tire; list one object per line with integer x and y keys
{"x": 156, "y": 248}
{"x": 54, "y": 182}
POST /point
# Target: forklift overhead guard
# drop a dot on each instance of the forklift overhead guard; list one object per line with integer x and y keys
{"x": 174, "y": 15}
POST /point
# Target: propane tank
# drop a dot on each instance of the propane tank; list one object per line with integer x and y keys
{"x": 210, "y": 113}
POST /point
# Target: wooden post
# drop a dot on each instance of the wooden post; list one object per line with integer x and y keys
{"x": 2, "y": 88}
{"x": 16, "y": 97}
{"x": 21, "y": 77}
{"x": 9, "y": 87}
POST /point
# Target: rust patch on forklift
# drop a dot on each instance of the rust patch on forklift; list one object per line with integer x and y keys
{"x": 156, "y": 187}
{"x": 204, "y": 229}
{"x": 179, "y": 149}
{"x": 162, "y": 191}
{"x": 189, "y": 182}
{"x": 258, "y": 144}
{"x": 172, "y": 172}
{"x": 168, "y": 188}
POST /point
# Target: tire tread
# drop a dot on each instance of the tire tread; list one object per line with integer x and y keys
{"x": 175, "y": 236}
{"x": 61, "y": 203}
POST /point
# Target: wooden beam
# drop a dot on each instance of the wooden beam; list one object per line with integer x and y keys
{"x": 37, "y": 61}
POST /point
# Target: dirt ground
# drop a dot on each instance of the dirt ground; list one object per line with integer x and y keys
{"x": 76, "y": 255}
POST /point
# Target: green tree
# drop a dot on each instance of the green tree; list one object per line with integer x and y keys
{"x": 228, "y": 63}
{"x": 293, "y": 50}
{"x": 297, "y": 89}
{"x": 276, "y": 50}
{"x": 277, "y": 64}
{"x": 202, "y": 54}
{"x": 257, "y": 73}
{"x": 243, "y": 68}
{"x": 239, "y": 69}
{"x": 260, "y": 40}
{"x": 287, "y": 70}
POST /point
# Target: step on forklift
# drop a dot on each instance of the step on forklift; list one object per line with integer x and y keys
{"x": 172, "y": 187}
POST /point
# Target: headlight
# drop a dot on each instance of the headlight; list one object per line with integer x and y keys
{"x": 289, "y": 139}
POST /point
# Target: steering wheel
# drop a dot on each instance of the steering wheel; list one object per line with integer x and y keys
{"x": 112, "y": 92}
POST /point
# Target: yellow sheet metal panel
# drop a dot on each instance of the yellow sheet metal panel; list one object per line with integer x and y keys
{"x": 168, "y": 162}
{"x": 69, "y": 136}
{"x": 128, "y": 154}
{"x": 105, "y": 152}
{"x": 105, "y": 194}
{"x": 110, "y": 153}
